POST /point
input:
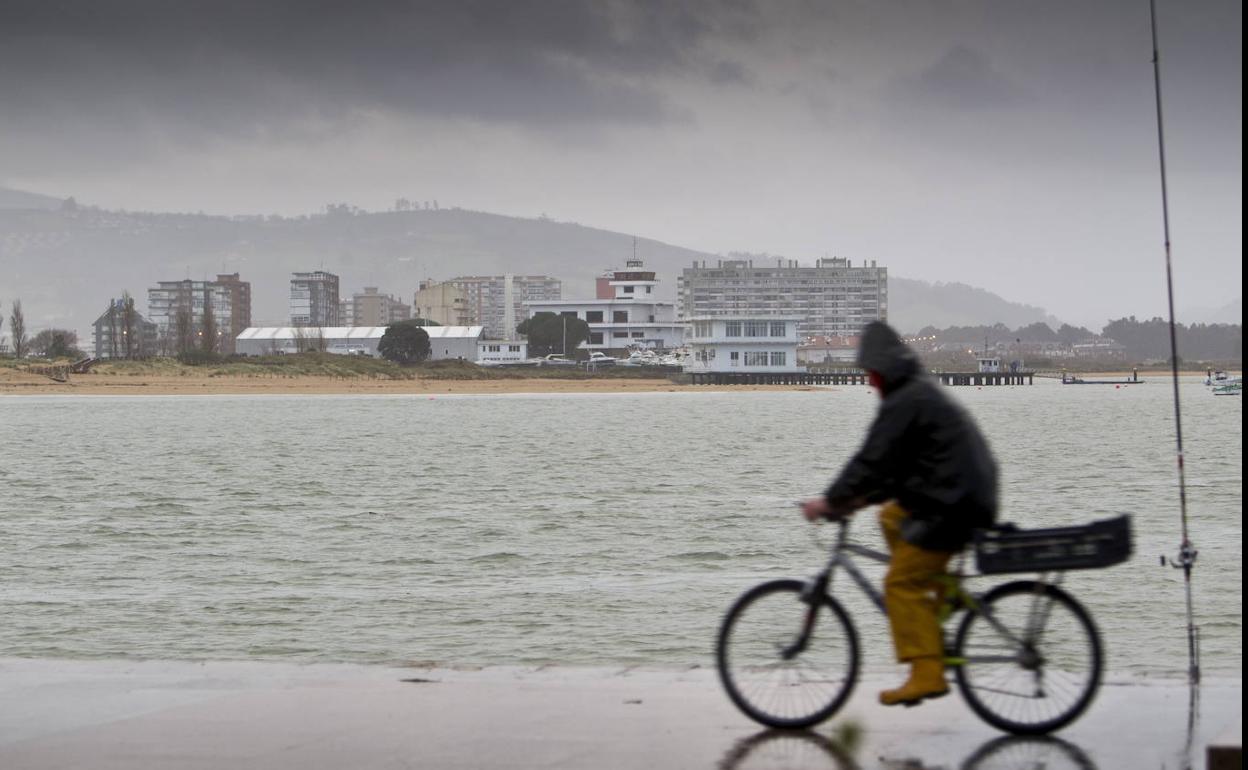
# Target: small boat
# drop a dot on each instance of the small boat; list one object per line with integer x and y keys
{"x": 1229, "y": 387}
{"x": 641, "y": 358}
{"x": 1213, "y": 378}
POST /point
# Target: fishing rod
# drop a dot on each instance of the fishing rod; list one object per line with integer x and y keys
{"x": 1187, "y": 552}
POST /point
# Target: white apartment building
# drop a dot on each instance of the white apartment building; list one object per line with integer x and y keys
{"x": 743, "y": 344}
{"x": 625, "y": 314}
{"x": 496, "y": 302}
{"x": 832, "y": 299}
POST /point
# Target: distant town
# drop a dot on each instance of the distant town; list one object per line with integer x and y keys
{"x": 733, "y": 315}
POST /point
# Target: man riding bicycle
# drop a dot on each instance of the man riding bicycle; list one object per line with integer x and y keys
{"x": 925, "y": 459}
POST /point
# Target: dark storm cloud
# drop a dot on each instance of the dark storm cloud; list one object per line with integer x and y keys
{"x": 241, "y": 67}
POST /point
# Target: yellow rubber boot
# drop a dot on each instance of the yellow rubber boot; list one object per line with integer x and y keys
{"x": 927, "y": 680}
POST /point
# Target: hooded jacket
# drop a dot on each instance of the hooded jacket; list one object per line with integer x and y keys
{"x": 923, "y": 450}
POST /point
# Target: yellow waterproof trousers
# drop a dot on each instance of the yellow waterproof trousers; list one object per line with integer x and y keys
{"x": 912, "y": 590}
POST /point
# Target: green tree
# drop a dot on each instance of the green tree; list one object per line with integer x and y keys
{"x": 404, "y": 343}
{"x": 549, "y": 333}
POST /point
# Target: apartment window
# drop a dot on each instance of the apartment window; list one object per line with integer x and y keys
{"x": 639, "y": 335}
{"x": 702, "y": 328}
{"x": 734, "y": 358}
{"x": 756, "y": 328}
{"x": 593, "y": 316}
{"x": 619, "y": 316}
{"x": 778, "y": 328}
{"x": 568, "y": 314}
{"x": 629, "y": 289}
{"x": 595, "y": 338}
{"x": 777, "y": 358}
{"x": 755, "y": 358}
{"x": 732, "y": 329}
{"x": 619, "y": 335}
{"x": 516, "y": 348}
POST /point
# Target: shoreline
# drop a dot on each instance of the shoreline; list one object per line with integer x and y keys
{"x": 16, "y": 383}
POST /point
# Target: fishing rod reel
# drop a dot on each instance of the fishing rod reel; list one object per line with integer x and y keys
{"x": 1186, "y": 558}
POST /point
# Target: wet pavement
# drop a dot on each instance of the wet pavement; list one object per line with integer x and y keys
{"x": 114, "y": 714}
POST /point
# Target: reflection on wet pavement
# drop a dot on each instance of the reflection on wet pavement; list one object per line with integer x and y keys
{"x": 807, "y": 750}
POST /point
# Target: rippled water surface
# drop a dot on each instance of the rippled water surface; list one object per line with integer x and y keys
{"x": 587, "y": 529}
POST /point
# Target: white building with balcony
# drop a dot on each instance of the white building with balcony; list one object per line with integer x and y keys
{"x": 733, "y": 344}
{"x": 624, "y": 315}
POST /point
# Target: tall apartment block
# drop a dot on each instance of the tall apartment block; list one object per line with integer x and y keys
{"x": 834, "y": 298}
{"x": 228, "y": 296}
{"x": 314, "y": 299}
{"x": 372, "y": 308}
{"x": 441, "y": 303}
{"x": 496, "y": 302}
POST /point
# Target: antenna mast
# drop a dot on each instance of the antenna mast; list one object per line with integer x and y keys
{"x": 1187, "y": 552}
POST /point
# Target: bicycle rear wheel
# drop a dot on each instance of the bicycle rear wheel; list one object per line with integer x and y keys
{"x": 1030, "y": 658}
{"x": 768, "y": 673}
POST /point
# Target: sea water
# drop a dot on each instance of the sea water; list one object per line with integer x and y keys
{"x": 540, "y": 529}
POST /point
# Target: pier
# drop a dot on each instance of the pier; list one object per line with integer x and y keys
{"x": 778, "y": 378}
{"x": 852, "y": 377}
{"x": 986, "y": 378}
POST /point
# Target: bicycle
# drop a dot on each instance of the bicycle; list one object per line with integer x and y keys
{"x": 1026, "y": 656}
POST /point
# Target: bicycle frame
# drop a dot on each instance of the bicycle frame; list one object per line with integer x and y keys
{"x": 821, "y": 585}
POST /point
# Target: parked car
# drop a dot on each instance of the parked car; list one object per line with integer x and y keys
{"x": 599, "y": 359}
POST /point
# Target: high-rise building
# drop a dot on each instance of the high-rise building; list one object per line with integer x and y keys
{"x": 441, "y": 303}
{"x": 832, "y": 299}
{"x": 372, "y": 308}
{"x": 228, "y": 298}
{"x": 237, "y": 296}
{"x": 314, "y": 299}
{"x": 496, "y": 302}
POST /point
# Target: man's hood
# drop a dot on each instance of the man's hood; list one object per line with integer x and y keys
{"x": 881, "y": 350}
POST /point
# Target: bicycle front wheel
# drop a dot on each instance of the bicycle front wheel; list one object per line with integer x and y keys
{"x": 784, "y": 661}
{"x": 1030, "y": 658}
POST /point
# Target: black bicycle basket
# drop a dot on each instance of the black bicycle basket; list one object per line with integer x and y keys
{"x": 1092, "y": 546}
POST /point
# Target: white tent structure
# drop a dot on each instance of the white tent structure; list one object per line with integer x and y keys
{"x": 445, "y": 342}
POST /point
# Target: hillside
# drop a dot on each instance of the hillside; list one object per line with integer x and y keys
{"x": 65, "y": 265}
{"x": 18, "y": 199}
{"x": 915, "y": 304}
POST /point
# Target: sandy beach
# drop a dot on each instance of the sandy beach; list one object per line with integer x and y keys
{"x": 17, "y": 382}
{"x": 190, "y": 381}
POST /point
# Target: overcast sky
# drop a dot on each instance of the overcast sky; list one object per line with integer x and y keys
{"x": 1009, "y": 144}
